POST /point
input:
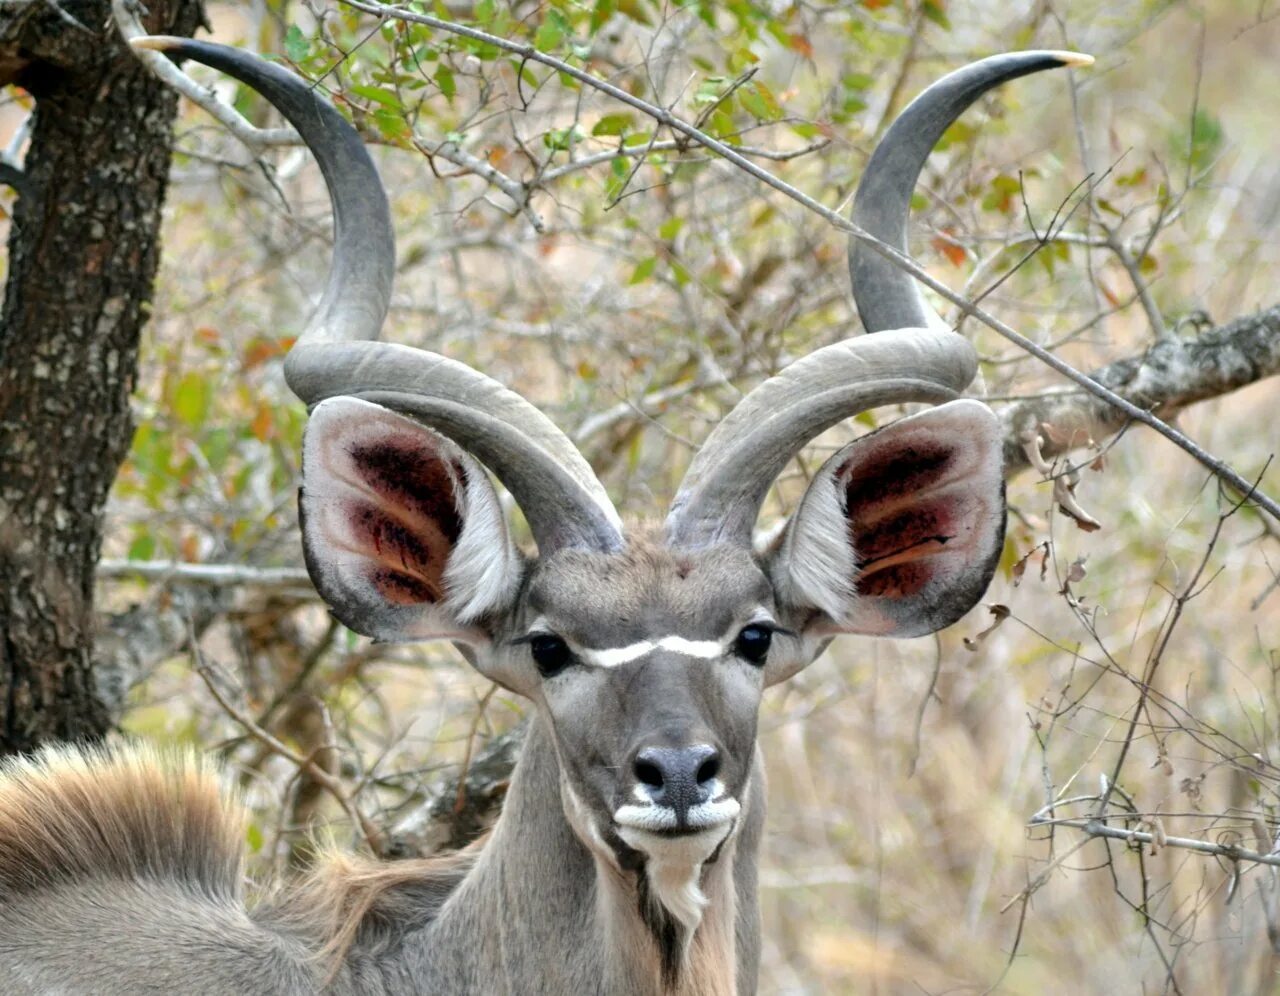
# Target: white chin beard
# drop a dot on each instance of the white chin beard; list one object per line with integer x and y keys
{"x": 674, "y": 867}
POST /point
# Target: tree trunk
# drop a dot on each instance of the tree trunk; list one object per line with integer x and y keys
{"x": 83, "y": 250}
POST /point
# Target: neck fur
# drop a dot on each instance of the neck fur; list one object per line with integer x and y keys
{"x": 547, "y": 905}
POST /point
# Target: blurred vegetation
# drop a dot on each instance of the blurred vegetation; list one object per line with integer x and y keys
{"x": 636, "y": 289}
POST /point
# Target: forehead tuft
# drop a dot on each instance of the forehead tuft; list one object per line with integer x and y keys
{"x": 647, "y": 590}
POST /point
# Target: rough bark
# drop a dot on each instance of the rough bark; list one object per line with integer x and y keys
{"x": 1172, "y": 374}
{"x": 83, "y": 250}
{"x": 130, "y": 645}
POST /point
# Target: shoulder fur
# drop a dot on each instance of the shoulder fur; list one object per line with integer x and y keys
{"x": 129, "y": 812}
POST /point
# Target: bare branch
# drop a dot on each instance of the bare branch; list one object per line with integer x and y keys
{"x": 165, "y": 70}
{"x": 306, "y": 765}
{"x": 1171, "y": 375}
{"x": 514, "y": 189}
{"x": 1139, "y": 284}
{"x": 214, "y": 575}
{"x": 129, "y": 645}
{"x": 1097, "y": 828}
{"x": 672, "y": 145}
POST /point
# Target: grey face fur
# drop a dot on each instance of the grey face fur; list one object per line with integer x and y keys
{"x": 653, "y": 637}
{"x": 624, "y": 861}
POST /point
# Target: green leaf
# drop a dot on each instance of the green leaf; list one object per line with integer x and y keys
{"x": 619, "y": 170}
{"x": 601, "y": 13}
{"x": 670, "y": 228}
{"x": 763, "y": 216}
{"x": 851, "y": 106}
{"x": 613, "y": 124}
{"x": 378, "y": 95}
{"x": 709, "y": 90}
{"x": 445, "y": 81}
{"x": 960, "y": 132}
{"x": 296, "y": 45}
{"x": 551, "y": 32}
{"x": 1206, "y": 138}
{"x": 143, "y": 547}
{"x": 561, "y": 139}
{"x": 644, "y": 270}
{"x": 191, "y": 399}
{"x": 217, "y": 446}
{"x": 721, "y": 124}
{"x": 392, "y": 125}
{"x": 936, "y": 12}
{"x": 1002, "y": 193}
{"x": 634, "y": 9}
{"x": 758, "y": 100}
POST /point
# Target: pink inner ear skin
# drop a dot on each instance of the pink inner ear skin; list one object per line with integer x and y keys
{"x": 405, "y": 478}
{"x": 901, "y": 544}
{"x": 413, "y": 522}
{"x": 402, "y": 589}
{"x": 894, "y": 556}
{"x": 897, "y": 476}
{"x": 408, "y": 568}
{"x": 386, "y": 540}
{"x": 928, "y": 522}
{"x": 901, "y": 580}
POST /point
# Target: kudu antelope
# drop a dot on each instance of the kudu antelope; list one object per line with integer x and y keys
{"x": 624, "y": 861}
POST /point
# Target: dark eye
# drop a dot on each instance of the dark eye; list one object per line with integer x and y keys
{"x": 550, "y": 653}
{"x": 753, "y": 643}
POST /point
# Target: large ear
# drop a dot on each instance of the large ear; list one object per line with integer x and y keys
{"x": 900, "y": 531}
{"x": 402, "y": 531}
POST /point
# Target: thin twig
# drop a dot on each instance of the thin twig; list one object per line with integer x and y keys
{"x": 1140, "y": 286}
{"x": 1096, "y": 828}
{"x": 1189, "y": 591}
{"x": 672, "y": 145}
{"x": 308, "y": 765}
{"x": 460, "y": 799}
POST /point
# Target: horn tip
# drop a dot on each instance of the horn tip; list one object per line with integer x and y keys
{"x": 1073, "y": 58}
{"x": 157, "y": 43}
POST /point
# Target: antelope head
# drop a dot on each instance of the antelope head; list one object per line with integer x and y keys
{"x": 644, "y": 650}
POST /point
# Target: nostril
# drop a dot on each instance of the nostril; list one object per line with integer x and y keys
{"x": 649, "y": 773}
{"x": 709, "y": 769}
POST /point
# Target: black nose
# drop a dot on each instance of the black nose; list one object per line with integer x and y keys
{"x": 679, "y": 777}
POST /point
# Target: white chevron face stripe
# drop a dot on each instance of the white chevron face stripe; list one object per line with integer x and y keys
{"x": 611, "y": 657}
{"x": 615, "y": 656}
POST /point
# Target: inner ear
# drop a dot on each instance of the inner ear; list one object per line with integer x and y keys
{"x": 403, "y": 533}
{"x": 900, "y": 531}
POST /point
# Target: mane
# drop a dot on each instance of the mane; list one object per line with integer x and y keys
{"x": 349, "y": 902}
{"x": 138, "y": 812}
{"x": 129, "y": 812}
